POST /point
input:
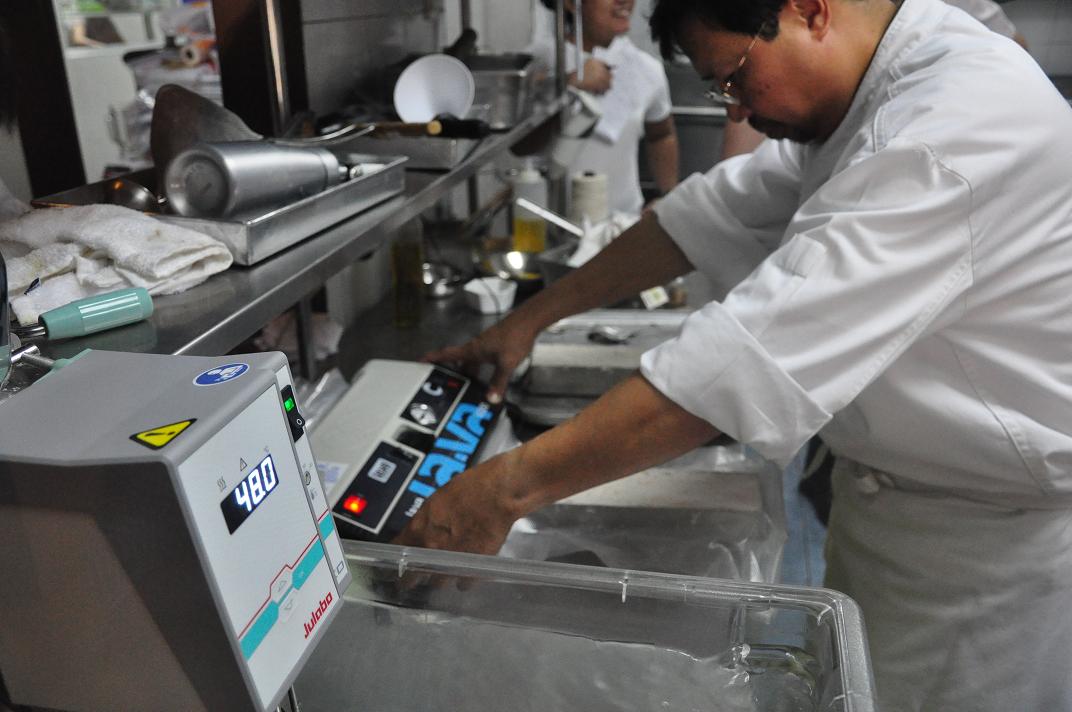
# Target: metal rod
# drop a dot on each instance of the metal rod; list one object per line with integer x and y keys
{"x": 560, "y": 47}
{"x": 281, "y": 105}
{"x": 31, "y": 355}
{"x": 306, "y": 349}
{"x": 550, "y": 217}
{"x": 578, "y": 38}
{"x": 467, "y": 14}
{"x": 472, "y": 189}
{"x": 480, "y": 217}
{"x": 5, "y": 337}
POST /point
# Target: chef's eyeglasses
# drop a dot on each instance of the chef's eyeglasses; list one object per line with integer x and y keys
{"x": 720, "y": 94}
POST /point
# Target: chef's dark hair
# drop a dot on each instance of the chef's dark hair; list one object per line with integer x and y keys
{"x": 746, "y": 17}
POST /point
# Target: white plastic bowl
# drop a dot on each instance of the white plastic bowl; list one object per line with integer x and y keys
{"x": 490, "y": 295}
{"x": 432, "y": 85}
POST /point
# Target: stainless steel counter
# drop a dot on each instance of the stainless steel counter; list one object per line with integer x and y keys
{"x": 216, "y": 316}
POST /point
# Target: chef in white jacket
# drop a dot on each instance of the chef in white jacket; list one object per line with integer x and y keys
{"x": 738, "y": 137}
{"x": 901, "y": 264}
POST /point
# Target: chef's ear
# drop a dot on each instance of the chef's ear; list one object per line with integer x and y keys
{"x": 815, "y": 14}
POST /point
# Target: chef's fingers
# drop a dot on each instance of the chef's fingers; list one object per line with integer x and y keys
{"x": 458, "y": 358}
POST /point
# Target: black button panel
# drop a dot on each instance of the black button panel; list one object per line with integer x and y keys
{"x": 294, "y": 417}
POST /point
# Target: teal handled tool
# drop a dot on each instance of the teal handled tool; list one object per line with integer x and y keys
{"x": 90, "y": 315}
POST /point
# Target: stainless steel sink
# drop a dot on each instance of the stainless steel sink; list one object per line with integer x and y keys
{"x": 717, "y": 512}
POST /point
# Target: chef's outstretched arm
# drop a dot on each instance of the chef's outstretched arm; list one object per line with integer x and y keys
{"x": 632, "y": 427}
{"x": 641, "y": 257}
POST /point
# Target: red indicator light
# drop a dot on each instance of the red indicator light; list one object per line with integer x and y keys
{"x": 355, "y": 504}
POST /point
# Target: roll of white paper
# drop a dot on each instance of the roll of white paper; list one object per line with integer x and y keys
{"x": 192, "y": 54}
{"x": 588, "y": 197}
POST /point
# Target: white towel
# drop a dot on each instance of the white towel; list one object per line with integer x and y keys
{"x": 81, "y": 251}
{"x": 628, "y": 82}
{"x": 599, "y": 235}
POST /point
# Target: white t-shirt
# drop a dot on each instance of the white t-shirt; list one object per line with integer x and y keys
{"x": 904, "y": 287}
{"x": 639, "y": 94}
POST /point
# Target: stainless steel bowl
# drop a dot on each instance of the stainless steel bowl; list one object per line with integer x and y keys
{"x": 519, "y": 266}
{"x": 440, "y": 279}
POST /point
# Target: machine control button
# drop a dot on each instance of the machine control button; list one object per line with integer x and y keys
{"x": 286, "y": 608}
{"x": 307, "y": 478}
{"x": 422, "y": 414}
{"x": 382, "y": 470}
{"x": 294, "y": 418}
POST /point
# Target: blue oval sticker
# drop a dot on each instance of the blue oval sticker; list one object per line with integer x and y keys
{"x": 221, "y": 374}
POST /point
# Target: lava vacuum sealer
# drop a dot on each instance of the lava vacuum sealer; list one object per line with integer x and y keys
{"x": 401, "y": 431}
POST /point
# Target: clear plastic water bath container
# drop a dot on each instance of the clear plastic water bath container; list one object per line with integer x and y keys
{"x": 429, "y": 630}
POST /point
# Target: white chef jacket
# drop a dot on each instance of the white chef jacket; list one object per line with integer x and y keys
{"x": 639, "y": 94}
{"x": 905, "y": 287}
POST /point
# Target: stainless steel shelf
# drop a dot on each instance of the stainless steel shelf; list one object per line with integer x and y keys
{"x": 216, "y": 316}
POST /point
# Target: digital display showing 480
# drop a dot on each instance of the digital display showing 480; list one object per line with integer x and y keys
{"x": 250, "y": 492}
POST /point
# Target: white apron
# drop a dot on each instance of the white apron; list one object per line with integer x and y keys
{"x": 968, "y": 606}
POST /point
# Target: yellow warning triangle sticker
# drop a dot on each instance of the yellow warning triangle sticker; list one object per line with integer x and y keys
{"x": 161, "y": 436}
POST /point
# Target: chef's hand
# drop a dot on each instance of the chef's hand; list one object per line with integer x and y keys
{"x": 470, "y": 513}
{"x": 504, "y": 346}
{"x": 598, "y": 77}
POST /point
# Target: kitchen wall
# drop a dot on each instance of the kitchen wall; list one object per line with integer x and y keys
{"x": 346, "y": 42}
{"x": 1047, "y": 27}
{"x": 1046, "y": 24}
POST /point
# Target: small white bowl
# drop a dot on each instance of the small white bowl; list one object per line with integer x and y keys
{"x": 490, "y": 295}
{"x": 432, "y": 85}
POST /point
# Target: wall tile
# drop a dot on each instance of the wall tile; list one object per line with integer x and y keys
{"x": 1035, "y": 21}
{"x": 1058, "y": 59}
{"x": 323, "y": 10}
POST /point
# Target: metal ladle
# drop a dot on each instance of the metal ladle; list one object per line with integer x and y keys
{"x": 129, "y": 194}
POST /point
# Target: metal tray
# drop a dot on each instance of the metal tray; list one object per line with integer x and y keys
{"x": 568, "y": 369}
{"x": 252, "y": 238}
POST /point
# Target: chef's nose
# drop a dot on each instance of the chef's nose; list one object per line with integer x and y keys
{"x": 738, "y": 112}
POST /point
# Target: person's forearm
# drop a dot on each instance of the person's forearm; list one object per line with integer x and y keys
{"x": 662, "y": 156}
{"x": 643, "y": 256}
{"x": 632, "y": 427}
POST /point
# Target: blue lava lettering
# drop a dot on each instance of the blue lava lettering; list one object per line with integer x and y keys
{"x": 452, "y": 451}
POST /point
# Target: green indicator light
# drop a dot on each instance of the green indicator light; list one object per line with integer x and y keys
{"x": 289, "y": 404}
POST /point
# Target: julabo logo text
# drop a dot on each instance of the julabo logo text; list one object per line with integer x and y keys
{"x": 317, "y": 614}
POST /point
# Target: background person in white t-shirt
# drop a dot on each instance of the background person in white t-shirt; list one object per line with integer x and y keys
{"x": 635, "y": 99}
